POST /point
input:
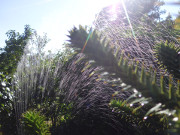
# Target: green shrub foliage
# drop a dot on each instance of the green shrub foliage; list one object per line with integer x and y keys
{"x": 34, "y": 123}
{"x": 11, "y": 54}
{"x": 130, "y": 73}
{"x": 168, "y": 55}
{"x": 7, "y": 113}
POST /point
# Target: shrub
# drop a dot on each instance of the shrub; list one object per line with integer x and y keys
{"x": 34, "y": 123}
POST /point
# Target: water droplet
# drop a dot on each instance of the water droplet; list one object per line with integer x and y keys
{"x": 131, "y": 105}
{"x": 175, "y": 119}
{"x": 135, "y": 91}
{"x": 145, "y": 117}
{"x": 123, "y": 84}
{"x": 3, "y": 84}
{"x": 170, "y": 114}
{"x": 140, "y": 95}
{"x": 8, "y": 89}
{"x": 142, "y": 104}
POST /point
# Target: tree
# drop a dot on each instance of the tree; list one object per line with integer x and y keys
{"x": 9, "y": 58}
{"x": 149, "y": 7}
{"x": 135, "y": 9}
{"x": 12, "y": 52}
{"x": 137, "y": 32}
{"x": 7, "y": 112}
{"x": 177, "y": 25}
{"x": 165, "y": 99}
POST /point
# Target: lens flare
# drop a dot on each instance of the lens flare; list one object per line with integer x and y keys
{"x": 114, "y": 16}
{"x": 126, "y": 13}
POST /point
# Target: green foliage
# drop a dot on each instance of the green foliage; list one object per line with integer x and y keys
{"x": 9, "y": 58}
{"x": 152, "y": 124}
{"x": 12, "y": 52}
{"x": 168, "y": 57}
{"x": 145, "y": 81}
{"x": 136, "y": 9}
{"x": 166, "y": 29}
{"x": 57, "y": 111}
{"x": 95, "y": 50}
{"x": 90, "y": 98}
{"x": 129, "y": 72}
{"x": 147, "y": 30}
{"x": 73, "y": 95}
{"x": 43, "y": 97}
{"x": 7, "y": 114}
{"x": 177, "y": 23}
{"x": 40, "y": 90}
{"x": 64, "y": 113}
{"x": 139, "y": 46}
{"x": 34, "y": 123}
{"x": 48, "y": 98}
{"x": 150, "y": 7}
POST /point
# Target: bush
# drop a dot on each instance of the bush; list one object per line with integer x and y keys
{"x": 34, "y": 123}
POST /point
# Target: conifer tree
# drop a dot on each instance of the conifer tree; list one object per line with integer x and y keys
{"x": 166, "y": 99}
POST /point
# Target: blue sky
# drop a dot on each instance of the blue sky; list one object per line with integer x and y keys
{"x": 54, "y": 17}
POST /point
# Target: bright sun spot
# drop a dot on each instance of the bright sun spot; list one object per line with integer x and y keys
{"x": 103, "y": 3}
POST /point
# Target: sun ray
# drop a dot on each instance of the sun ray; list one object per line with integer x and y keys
{"x": 126, "y": 13}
